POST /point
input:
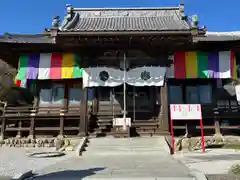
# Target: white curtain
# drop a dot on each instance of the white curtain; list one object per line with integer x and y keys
{"x": 44, "y": 66}
{"x": 224, "y": 64}
{"x": 153, "y": 76}
{"x": 91, "y": 77}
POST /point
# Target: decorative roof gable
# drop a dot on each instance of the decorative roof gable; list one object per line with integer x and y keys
{"x": 125, "y": 19}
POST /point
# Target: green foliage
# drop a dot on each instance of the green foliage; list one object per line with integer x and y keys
{"x": 6, "y": 34}
{"x": 235, "y": 169}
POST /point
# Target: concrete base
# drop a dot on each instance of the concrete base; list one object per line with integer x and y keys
{"x": 5, "y": 178}
{"x": 31, "y": 137}
{"x": 139, "y": 178}
{"x": 23, "y": 176}
{"x": 81, "y": 146}
{"x": 18, "y": 136}
{"x": 198, "y": 175}
{"x": 60, "y": 136}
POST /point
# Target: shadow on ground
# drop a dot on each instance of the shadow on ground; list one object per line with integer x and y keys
{"x": 69, "y": 174}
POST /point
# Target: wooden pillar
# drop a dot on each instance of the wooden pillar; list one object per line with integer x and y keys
{"x": 63, "y": 111}
{"x": 83, "y": 114}
{"x": 3, "y": 128}
{"x": 215, "y": 110}
{"x": 34, "y": 111}
{"x": 95, "y": 101}
{"x": 19, "y": 132}
{"x": 164, "y": 124}
{"x": 32, "y": 121}
{"x": 32, "y": 124}
{"x": 216, "y": 122}
{"x": 61, "y": 130}
{"x": 3, "y": 123}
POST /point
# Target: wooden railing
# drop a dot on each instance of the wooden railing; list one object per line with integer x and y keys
{"x": 29, "y": 120}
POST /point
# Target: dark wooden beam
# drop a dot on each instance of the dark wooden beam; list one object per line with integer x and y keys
{"x": 164, "y": 124}
{"x": 3, "y": 125}
{"x": 83, "y": 114}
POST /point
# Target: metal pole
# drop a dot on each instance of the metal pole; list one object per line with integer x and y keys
{"x": 134, "y": 103}
{"x": 124, "y": 90}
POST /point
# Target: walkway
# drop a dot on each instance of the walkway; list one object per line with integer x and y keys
{"x": 108, "y": 158}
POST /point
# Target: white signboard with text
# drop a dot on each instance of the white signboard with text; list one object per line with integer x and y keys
{"x": 122, "y": 122}
{"x": 185, "y": 111}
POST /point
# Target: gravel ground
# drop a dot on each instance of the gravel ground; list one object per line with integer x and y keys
{"x": 222, "y": 177}
{"x": 15, "y": 160}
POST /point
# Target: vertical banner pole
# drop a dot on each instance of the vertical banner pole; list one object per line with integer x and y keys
{"x": 201, "y": 127}
{"x": 124, "y": 90}
{"x": 172, "y": 134}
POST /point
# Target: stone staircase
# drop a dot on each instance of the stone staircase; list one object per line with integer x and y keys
{"x": 127, "y": 146}
{"x": 145, "y": 158}
{"x": 103, "y": 124}
{"x": 146, "y": 128}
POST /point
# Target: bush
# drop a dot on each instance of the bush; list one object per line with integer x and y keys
{"x": 235, "y": 169}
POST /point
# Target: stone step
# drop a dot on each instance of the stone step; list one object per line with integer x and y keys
{"x": 119, "y": 152}
{"x": 104, "y": 120}
{"x": 105, "y": 124}
{"x": 129, "y": 142}
{"x": 99, "y": 134}
{"x": 139, "y": 178}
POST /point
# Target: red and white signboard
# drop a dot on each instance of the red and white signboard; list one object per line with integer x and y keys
{"x": 186, "y": 112}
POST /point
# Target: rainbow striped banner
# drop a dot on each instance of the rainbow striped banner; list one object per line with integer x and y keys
{"x": 186, "y": 65}
{"x": 49, "y": 66}
{"x": 195, "y": 64}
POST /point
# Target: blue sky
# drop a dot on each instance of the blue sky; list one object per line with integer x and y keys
{"x": 32, "y": 16}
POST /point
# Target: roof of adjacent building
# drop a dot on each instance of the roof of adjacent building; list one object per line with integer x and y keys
{"x": 27, "y": 38}
{"x": 220, "y": 36}
{"x": 125, "y": 19}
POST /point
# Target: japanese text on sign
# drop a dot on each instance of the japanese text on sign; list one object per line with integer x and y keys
{"x": 185, "y": 111}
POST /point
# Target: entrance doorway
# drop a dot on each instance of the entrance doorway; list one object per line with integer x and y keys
{"x": 140, "y": 101}
{"x": 141, "y": 106}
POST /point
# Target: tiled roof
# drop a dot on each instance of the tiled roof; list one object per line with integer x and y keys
{"x": 33, "y": 38}
{"x": 220, "y": 36}
{"x": 125, "y": 19}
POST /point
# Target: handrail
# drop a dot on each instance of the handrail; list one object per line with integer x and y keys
{"x": 40, "y": 109}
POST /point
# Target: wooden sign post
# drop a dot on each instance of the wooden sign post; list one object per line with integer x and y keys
{"x": 186, "y": 112}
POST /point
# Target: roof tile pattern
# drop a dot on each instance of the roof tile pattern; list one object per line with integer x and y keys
{"x": 41, "y": 39}
{"x": 126, "y": 20}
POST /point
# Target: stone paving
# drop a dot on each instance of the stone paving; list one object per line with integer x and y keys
{"x": 139, "y": 158}
{"x": 213, "y": 161}
{"x": 14, "y": 161}
{"x": 222, "y": 177}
